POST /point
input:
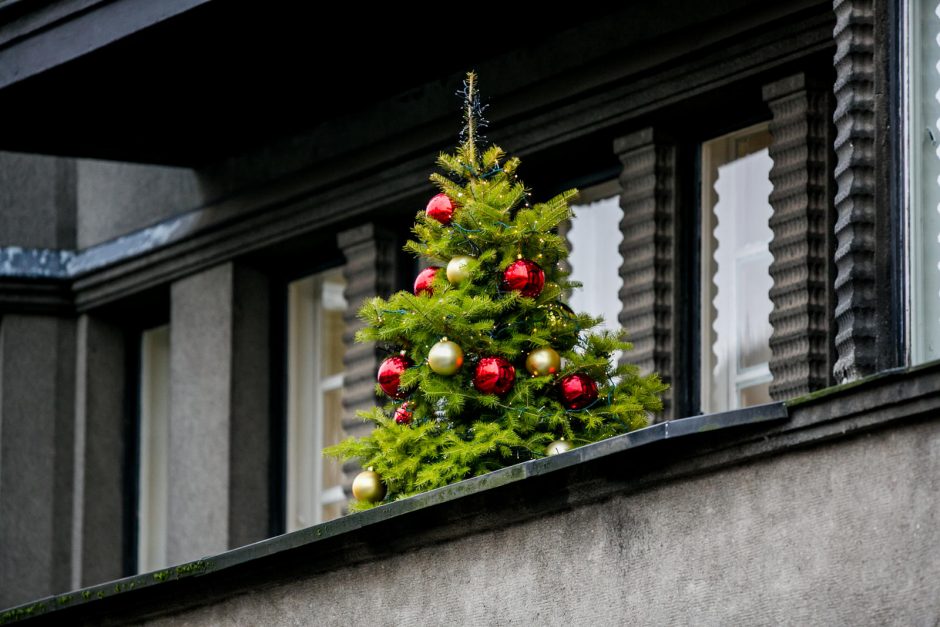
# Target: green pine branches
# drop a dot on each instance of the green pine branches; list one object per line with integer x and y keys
{"x": 456, "y": 431}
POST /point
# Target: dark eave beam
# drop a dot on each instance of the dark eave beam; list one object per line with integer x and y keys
{"x": 28, "y": 49}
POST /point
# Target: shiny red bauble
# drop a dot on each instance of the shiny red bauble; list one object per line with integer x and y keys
{"x": 494, "y": 375}
{"x": 390, "y": 374}
{"x": 577, "y": 391}
{"x": 525, "y": 277}
{"x": 403, "y": 414}
{"x": 424, "y": 280}
{"x": 441, "y": 208}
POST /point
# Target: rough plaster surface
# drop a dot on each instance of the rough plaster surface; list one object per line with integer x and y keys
{"x": 36, "y": 380}
{"x": 37, "y": 201}
{"x": 200, "y": 390}
{"x": 842, "y": 535}
{"x": 117, "y": 198}
{"x": 98, "y": 524}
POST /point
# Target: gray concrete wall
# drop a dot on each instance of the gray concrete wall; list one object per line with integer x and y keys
{"x": 37, "y": 201}
{"x": 219, "y": 428}
{"x": 200, "y": 393}
{"x": 52, "y": 202}
{"x": 116, "y": 198}
{"x": 99, "y": 524}
{"x": 37, "y": 362}
{"x": 841, "y": 534}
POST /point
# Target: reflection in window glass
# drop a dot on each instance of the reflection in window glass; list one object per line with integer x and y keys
{"x": 922, "y": 137}
{"x": 736, "y": 305}
{"x": 595, "y": 256}
{"x": 314, "y": 407}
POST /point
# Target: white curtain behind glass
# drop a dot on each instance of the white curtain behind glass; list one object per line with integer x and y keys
{"x": 595, "y": 260}
{"x": 923, "y": 168}
{"x": 742, "y": 279}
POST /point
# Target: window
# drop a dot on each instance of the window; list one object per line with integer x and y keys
{"x": 154, "y": 414}
{"x": 922, "y": 103}
{"x": 735, "y": 261}
{"x": 314, "y": 406}
{"x": 595, "y": 259}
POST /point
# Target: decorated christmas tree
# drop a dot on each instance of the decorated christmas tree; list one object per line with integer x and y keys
{"x": 488, "y": 366}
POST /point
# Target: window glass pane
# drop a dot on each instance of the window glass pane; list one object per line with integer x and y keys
{"x": 755, "y": 395}
{"x": 736, "y": 283}
{"x": 595, "y": 258}
{"x": 152, "y": 475}
{"x": 333, "y": 307}
{"x": 922, "y": 121}
{"x": 332, "y": 499}
{"x": 753, "y": 310}
{"x": 314, "y": 405}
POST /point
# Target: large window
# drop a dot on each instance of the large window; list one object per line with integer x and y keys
{"x": 314, "y": 406}
{"x": 922, "y": 117}
{"x": 735, "y": 261}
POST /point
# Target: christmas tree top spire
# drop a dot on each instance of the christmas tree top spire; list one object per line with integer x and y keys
{"x": 472, "y": 117}
{"x": 488, "y": 366}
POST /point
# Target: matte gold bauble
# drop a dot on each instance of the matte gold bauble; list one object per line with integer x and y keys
{"x": 445, "y": 357}
{"x": 558, "y": 446}
{"x": 458, "y": 269}
{"x": 368, "y": 486}
{"x": 543, "y": 361}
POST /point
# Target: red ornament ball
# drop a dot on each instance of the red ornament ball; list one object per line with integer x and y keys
{"x": 424, "y": 280}
{"x": 403, "y": 414}
{"x": 525, "y": 277}
{"x": 441, "y": 208}
{"x": 494, "y": 375}
{"x": 577, "y": 391}
{"x": 390, "y": 375}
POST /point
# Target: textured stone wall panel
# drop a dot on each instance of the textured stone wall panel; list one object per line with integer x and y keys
{"x": 369, "y": 271}
{"x": 854, "y": 118}
{"x": 649, "y": 253}
{"x": 800, "y": 344}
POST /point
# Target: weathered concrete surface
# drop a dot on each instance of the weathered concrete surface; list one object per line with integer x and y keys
{"x": 219, "y": 429}
{"x": 37, "y": 201}
{"x": 844, "y": 534}
{"x": 116, "y": 198}
{"x": 99, "y": 524}
{"x": 37, "y": 384}
{"x": 200, "y": 391}
{"x": 60, "y": 203}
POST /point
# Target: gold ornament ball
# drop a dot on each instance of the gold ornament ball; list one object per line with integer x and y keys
{"x": 458, "y": 269}
{"x": 368, "y": 486}
{"x": 558, "y": 446}
{"x": 543, "y": 361}
{"x": 445, "y": 357}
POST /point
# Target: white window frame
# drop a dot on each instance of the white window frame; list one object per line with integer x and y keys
{"x": 307, "y": 386}
{"x": 154, "y": 420}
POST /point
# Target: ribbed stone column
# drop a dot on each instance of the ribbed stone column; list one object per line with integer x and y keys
{"x": 802, "y": 245}
{"x": 649, "y": 255}
{"x": 369, "y": 271}
{"x": 856, "y": 254}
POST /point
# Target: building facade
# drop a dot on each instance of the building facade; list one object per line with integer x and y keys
{"x": 185, "y": 245}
